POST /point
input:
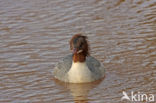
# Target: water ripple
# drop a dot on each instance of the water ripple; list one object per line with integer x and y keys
{"x": 34, "y": 36}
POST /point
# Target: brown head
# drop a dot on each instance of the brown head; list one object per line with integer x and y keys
{"x": 80, "y": 47}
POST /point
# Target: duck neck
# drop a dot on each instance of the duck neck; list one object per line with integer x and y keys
{"x": 79, "y": 57}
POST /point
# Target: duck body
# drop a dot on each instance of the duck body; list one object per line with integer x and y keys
{"x": 78, "y": 72}
{"x": 79, "y": 67}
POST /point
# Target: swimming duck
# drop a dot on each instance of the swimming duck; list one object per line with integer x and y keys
{"x": 79, "y": 67}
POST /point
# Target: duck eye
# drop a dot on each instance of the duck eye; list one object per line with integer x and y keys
{"x": 80, "y": 45}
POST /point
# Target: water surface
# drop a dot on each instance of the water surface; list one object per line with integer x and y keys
{"x": 34, "y": 36}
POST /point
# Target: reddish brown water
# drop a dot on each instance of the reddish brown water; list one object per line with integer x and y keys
{"x": 34, "y": 36}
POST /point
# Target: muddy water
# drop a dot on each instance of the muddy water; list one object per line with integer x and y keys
{"x": 34, "y": 36}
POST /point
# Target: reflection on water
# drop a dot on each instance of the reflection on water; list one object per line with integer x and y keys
{"x": 79, "y": 91}
{"x": 34, "y": 36}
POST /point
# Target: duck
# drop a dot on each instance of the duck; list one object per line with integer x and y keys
{"x": 79, "y": 66}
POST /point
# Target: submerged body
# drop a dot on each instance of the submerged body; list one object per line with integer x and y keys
{"x": 79, "y": 67}
{"x": 79, "y": 72}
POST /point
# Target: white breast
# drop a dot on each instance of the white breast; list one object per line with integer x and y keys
{"x": 79, "y": 73}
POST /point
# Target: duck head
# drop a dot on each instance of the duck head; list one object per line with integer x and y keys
{"x": 79, "y": 46}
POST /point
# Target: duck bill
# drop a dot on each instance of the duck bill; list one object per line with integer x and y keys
{"x": 74, "y": 51}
